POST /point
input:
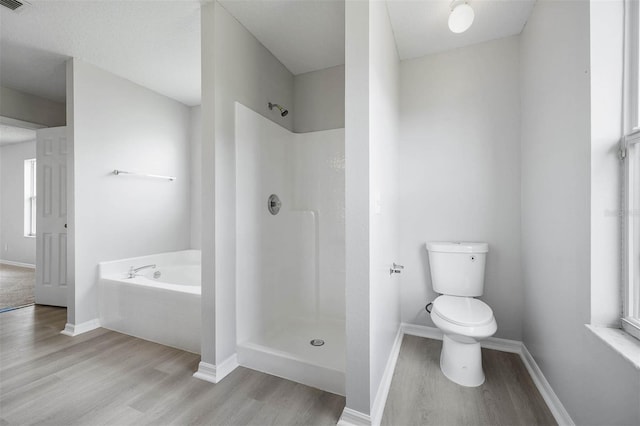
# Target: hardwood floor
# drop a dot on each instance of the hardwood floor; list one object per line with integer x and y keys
{"x": 421, "y": 395}
{"x": 106, "y": 378}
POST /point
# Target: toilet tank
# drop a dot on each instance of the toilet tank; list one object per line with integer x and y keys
{"x": 457, "y": 268}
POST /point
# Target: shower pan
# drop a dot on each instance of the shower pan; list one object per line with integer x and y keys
{"x": 290, "y": 251}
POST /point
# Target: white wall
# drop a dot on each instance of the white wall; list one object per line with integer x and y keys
{"x": 357, "y": 220}
{"x": 606, "y": 109}
{"x": 14, "y": 246}
{"x": 195, "y": 169}
{"x": 236, "y": 67}
{"x": 595, "y": 385}
{"x": 460, "y": 171}
{"x": 384, "y": 109}
{"x": 30, "y": 108}
{"x": 208, "y": 182}
{"x": 371, "y": 150}
{"x": 318, "y": 100}
{"x": 120, "y": 125}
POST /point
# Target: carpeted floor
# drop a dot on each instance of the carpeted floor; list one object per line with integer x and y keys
{"x": 16, "y": 286}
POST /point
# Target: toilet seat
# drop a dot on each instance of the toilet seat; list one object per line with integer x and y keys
{"x": 463, "y": 311}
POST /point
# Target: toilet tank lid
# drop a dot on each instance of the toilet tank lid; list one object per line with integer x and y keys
{"x": 457, "y": 247}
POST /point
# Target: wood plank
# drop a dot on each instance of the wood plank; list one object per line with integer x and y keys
{"x": 421, "y": 395}
{"x": 107, "y": 378}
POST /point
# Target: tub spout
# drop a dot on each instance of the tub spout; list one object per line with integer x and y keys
{"x": 133, "y": 272}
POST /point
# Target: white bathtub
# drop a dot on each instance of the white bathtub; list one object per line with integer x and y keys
{"x": 165, "y": 309}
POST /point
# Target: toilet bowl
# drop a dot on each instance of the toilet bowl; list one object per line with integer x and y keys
{"x": 464, "y": 321}
{"x": 457, "y": 273}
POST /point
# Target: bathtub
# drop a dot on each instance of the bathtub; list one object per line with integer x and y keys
{"x": 161, "y": 304}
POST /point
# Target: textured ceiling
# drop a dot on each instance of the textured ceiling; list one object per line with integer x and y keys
{"x": 10, "y": 134}
{"x": 157, "y": 43}
{"x": 153, "y": 43}
{"x": 305, "y": 35}
{"x": 421, "y": 27}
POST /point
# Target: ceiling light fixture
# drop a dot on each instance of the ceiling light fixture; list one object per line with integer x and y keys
{"x": 461, "y": 16}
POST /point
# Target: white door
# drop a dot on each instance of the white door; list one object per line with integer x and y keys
{"x": 51, "y": 217}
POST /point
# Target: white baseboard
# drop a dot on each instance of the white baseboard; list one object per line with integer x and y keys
{"x": 555, "y": 405}
{"x": 76, "y": 329}
{"x": 226, "y": 367}
{"x": 22, "y": 265}
{"x": 351, "y": 417}
{"x": 215, "y": 373}
{"x": 421, "y": 331}
{"x": 206, "y": 372}
{"x": 505, "y": 345}
{"x": 385, "y": 383}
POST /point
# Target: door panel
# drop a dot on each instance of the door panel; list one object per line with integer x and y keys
{"x": 51, "y": 232}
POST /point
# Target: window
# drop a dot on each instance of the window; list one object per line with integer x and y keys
{"x": 630, "y": 152}
{"x": 30, "y": 197}
{"x": 631, "y": 317}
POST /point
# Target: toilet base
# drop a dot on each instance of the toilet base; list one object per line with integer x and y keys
{"x": 461, "y": 360}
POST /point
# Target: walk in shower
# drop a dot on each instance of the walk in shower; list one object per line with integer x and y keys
{"x": 290, "y": 251}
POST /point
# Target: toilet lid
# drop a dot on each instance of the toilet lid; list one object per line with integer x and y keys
{"x": 464, "y": 311}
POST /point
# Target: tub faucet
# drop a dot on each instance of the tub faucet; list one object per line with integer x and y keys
{"x": 133, "y": 271}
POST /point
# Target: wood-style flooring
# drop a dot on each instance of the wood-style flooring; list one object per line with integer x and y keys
{"x": 107, "y": 378}
{"x": 16, "y": 286}
{"x": 421, "y": 395}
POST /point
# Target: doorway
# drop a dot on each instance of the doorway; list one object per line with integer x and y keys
{"x": 17, "y": 213}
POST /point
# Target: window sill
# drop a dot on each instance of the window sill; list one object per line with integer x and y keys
{"x": 29, "y": 236}
{"x": 621, "y": 342}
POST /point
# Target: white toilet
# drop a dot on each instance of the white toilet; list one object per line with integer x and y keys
{"x": 457, "y": 273}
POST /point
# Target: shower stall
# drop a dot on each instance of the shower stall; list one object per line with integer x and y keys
{"x": 290, "y": 243}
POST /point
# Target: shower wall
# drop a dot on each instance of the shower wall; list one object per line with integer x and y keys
{"x": 235, "y": 67}
{"x": 318, "y": 186}
{"x": 290, "y": 265}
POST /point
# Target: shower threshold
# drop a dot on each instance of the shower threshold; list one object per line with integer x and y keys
{"x": 286, "y": 351}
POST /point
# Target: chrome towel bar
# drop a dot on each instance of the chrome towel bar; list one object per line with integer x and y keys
{"x": 122, "y": 172}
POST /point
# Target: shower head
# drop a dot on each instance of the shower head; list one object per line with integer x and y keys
{"x": 283, "y": 110}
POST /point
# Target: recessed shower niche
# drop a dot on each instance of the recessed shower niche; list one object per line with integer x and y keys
{"x": 291, "y": 265}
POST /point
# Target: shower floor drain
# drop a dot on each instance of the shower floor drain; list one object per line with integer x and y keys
{"x": 317, "y": 342}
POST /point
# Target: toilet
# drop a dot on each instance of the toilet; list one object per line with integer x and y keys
{"x": 457, "y": 274}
